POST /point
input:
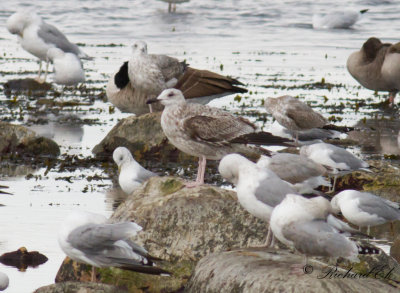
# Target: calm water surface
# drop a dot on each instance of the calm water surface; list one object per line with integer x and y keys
{"x": 269, "y": 45}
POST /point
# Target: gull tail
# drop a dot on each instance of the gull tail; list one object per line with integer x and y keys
{"x": 364, "y": 249}
{"x": 262, "y": 138}
{"x": 151, "y": 270}
{"x": 344, "y": 129}
{"x": 344, "y": 227}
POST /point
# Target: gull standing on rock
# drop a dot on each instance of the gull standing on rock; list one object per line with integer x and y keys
{"x": 68, "y": 68}
{"x": 131, "y": 173}
{"x": 365, "y": 209}
{"x": 376, "y": 66}
{"x": 336, "y": 19}
{"x": 37, "y": 37}
{"x": 207, "y": 132}
{"x": 88, "y": 238}
{"x": 338, "y": 160}
{"x": 294, "y": 114}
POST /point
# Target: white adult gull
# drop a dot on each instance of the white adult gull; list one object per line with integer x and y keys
{"x": 337, "y": 159}
{"x": 258, "y": 189}
{"x": 304, "y": 174}
{"x": 294, "y": 114}
{"x": 4, "y": 281}
{"x": 376, "y": 66}
{"x": 207, "y": 132}
{"x": 131, "y": 173}
{"x": 68, "y": 68}
{"x": 336, "y": 19}
{"x": 365, "y": 209}
{"x": 172, "y": 4}
{"x": 37, "y": 37}
{"x": 199, "y": 86}
{"x": 88, "y": 238}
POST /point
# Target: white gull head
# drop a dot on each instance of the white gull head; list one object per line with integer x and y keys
{"x": 171, "y": 97}
{"x": 139, "y": 47}
{"x": 229, "y": 167}
{"x": 121, "y": 156}
{"x": 17, "y": 22}
{"x": 54, "y": 53}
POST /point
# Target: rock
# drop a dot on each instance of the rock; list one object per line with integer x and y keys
{"x": 262, "y": 270}
{"x": 22, "y": 258}
{"x": 79, "y": 287}
{"x": 19, "y": 139}
{"x": 27, "y": 86}
{"x": 181, "y": 225}
{"x": 395, "y": 249}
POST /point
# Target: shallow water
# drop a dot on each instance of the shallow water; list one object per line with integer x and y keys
{"x": 269, "y": 45}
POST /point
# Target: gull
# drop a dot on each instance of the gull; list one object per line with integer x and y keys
{"x": 258, "y": 189}
{"x": 376, "y": 66}
{"x": 294, "y": 114}
{"x": 207, "y": 132}
{"x": 304, "y": 174}
{"x": 199, "y": 86}
{"x": 68, "y": 68}
{"x": 37, "y": 37}
{"x": 4, "y": 281}
{"x": 131, "y": 173}
{"x": 365, "y": 209}
{"x": 336, "y": 19}
{"x": 88, "y": 238}
{"x": 172, "y": 4}
{"x": 304, "y": 224}
{"x": 337, "y": 159}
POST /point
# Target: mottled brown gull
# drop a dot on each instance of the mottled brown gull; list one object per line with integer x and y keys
{"x": 376, "y": 66}
{"x": 207, "y": 132}
{"x": 294, "y": 114}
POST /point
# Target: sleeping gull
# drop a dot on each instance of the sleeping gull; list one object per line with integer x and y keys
{"x": 304, "y": 224}
{"x": 37, "y": 36}
{"x": 365, "y": 209}
{"x": 68, "y": 68}
{"x": 294, "y": 114}
{"x": 258, "y": 189}
{"x": 376, "y": 66}
{"x": 88, "y": 238}
{"x": 207, "y": 132}
{"x": 336, "y": 19}
{"x": 339, "y": 160}
{"x": 172, "y": 4}
{"x": 304, "y": 174}
{"x": 4, "y": 281}
{"x": 131, "y": 174}
{"x": 200, "y": 86}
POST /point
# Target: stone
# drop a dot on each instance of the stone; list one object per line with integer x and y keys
{"x": 80, "y": 287}
{"x": 27, "y": 86}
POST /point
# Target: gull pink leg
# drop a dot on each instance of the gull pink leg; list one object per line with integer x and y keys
{"x": 200, "y": 173}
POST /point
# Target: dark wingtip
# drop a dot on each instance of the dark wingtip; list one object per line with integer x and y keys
{"x": 263, "y": 138}
{"x": 150, "y": 270}
{"x": 121, "y": 78}
{"x": 363, "y": 11}
{"x": 344, "y": 129}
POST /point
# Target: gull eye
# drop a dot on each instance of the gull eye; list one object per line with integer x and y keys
{"x": 135, "y": 46}
{"x": 170, "y": 94}
{"x": 121, "y": 158}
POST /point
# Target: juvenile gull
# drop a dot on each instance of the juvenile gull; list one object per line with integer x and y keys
{"x": 304, "y": 174}
{"x": 131, "y": 173}
{"x": 36, "y": 36}
{"x": 258, "y": 189}
{"x": 337, "y": 159}
{"x": 68, "y": 68}
{"x": 294, "y": 114}
{"x": 172, "y": 4}
{"x": 376, "y": 66}
{"x": 207, "y": 132}
{"x": 336, "y": 19}
{"x": 88, "y": 238}
{"x": 4, "y": 281}
{"x": 200, "y": 86}
{"x": 365, "y": 209}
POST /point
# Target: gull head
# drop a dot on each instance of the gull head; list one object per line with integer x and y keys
{"x": 229, "y": 167}
{"x": 341, "y": 196}
{"x": 54, "y": 53}
{"x": 169, "y": 97}
{"x": 139, "y": 47}
{"x": 17, "y": 22}
{"x": 122, "y": 155}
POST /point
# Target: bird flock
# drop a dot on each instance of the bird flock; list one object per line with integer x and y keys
{"x": 280, "y": 188}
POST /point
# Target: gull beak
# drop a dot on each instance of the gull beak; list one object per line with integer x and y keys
{"x": 151, "y": 101}
{"x": 119, "y": 169}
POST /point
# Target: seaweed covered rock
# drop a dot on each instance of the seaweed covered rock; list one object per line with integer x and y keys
{"x": 26, "y": 86}
{"x": 80, "y": 287}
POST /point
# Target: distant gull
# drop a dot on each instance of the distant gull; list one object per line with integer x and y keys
{"x": 258, "y": 189}
{"x": 376, "y": 66}
{"x": 199, "y": 86}
{"x": 339, "y": 160}
{"x": 37, "y": 36}
{"x": 4, "y": 281}
{"x": 294, "y": 114}
{"x": 207, "y": 132}
{"x": 68, "y": 68}
{"x": 303, "y": 224}
{"x": 336, "y": 19}
{"x": 172, "y": 4}
{"x": 131, "y": 174}
{"x": 365, "y": 209}
{"x": 88, "y": 238}
{"x": 304, "y": 174}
